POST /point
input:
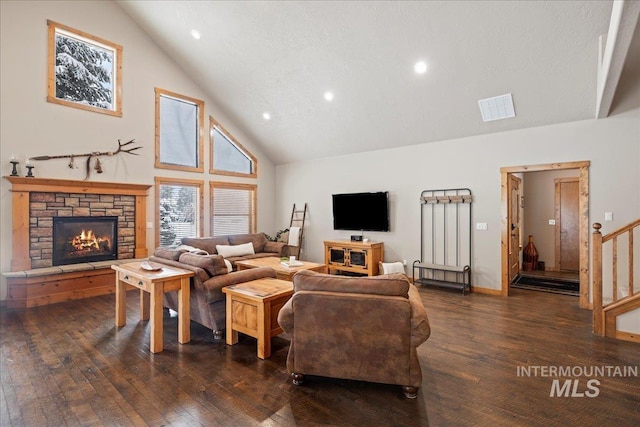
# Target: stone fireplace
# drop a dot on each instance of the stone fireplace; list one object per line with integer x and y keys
{"x": 66, "y": 235}
{"x": 84, "y": 239}
{"x": 48, "y": 209}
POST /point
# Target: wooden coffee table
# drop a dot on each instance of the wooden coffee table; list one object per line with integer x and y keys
{"x": 282, "y": 272}
{"x": 152, "y": 285}
{"x": 252, "y": 308}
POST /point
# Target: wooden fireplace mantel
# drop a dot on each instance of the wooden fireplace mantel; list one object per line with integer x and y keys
{"x": 21, "y": 187}
{"x": 46, "y": 185}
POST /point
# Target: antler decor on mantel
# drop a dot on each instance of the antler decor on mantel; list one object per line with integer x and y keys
{"x": 97, "y": 154}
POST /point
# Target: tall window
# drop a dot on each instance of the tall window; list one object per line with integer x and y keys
{"x": 179, "y": 132}
{"x": 228, "y": 156}
{"x": 233, "y": 208}
{"x": 179, "y": 210}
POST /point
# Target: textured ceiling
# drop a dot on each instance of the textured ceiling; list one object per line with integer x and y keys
{"x": 280, "y": 57}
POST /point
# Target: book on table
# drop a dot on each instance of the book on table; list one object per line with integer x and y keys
{"x": 290, "y": 264}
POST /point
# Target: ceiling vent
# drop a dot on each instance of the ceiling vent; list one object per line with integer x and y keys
{"x": 497, "y": 108}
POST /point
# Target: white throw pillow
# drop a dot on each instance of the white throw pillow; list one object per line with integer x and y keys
{"x": 235, "y": 250}
{"x": 392, "y": 267}
{"x": 228, "y": 264}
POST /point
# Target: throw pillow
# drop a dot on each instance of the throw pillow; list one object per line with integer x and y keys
{"x": 257, "y": 239}
{"x": 274, "y": 247}
{"x": 229, "y": 265}
{"x": 237, "y": 250}
{"x": 193, "y": 250}
{"x": 391, "y": 267}
{"x": 206, "y": 243}
{"x": 212, "y": 264}
{"x": 168, "y": 253}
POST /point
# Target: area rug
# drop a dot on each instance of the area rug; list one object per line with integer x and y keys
{"x": 547, "y": 284}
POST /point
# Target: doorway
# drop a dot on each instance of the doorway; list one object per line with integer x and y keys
{"x": 508, "y": 210}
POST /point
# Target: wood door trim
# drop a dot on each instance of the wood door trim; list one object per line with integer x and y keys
{"x": 546, "y": 167}
{"x": 583, "y": 204}
{"x": 510, "y": 179}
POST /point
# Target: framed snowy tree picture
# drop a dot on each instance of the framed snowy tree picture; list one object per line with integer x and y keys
{"x": 84, "y": 71}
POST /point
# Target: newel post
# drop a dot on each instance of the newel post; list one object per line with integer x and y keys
{"x": 596, "y": 262}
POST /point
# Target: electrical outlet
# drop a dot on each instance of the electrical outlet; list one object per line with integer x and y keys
{"x": 481, "y": 226}
{"x": 552, "y": 222}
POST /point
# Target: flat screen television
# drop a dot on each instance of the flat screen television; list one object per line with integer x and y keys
{"x": 361, "y": 211}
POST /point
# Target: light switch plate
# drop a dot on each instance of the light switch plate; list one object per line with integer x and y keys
{"x": 481, "y": 226}
{"x": 552, "y": 222}
{"x": 608, "y": 216}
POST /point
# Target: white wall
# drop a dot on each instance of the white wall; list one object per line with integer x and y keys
{"x": 31, "y": 126}
{"x": 611, "y": 145}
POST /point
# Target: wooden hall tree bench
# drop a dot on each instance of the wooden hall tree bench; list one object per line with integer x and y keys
{"x": 445, "y": 239}
{"x": 449, "y": 276}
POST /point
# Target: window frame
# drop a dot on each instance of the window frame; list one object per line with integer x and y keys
{"x": 200, "y": 149}
{"x": 253, "y": 220}
{"x": 199, "y": 184}
{"x": 55, "y": 28}
{"x": 213, "y": 123}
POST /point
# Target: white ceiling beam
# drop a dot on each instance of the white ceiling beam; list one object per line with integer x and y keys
{"x": 613, "y": 52}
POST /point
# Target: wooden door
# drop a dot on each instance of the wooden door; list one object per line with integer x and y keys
{"x": 515, "y": 241}
{"x": 567, "y": 237}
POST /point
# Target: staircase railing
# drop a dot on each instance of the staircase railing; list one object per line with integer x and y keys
{"x": 604, "y": 313}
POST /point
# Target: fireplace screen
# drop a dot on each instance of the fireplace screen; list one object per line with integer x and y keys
{"x": 84, "y": 239}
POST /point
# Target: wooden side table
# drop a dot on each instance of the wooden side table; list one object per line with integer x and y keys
{"x": 252, "y": 308}
{"x": 152, "y": 285}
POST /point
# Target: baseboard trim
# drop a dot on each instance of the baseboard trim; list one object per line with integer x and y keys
{"x": 628, "y": 336}
{"x": 487, "y": 291}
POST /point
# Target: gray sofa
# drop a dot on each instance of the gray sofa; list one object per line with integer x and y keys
{"x": 261, "y": 246}
{"x": 211, "y": 274}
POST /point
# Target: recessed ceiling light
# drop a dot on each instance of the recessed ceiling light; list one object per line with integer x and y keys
{"x": 420, "y": 67}
{"x": 266, "y": 116}
{"x": 195, "y": 34}
{"x": 328, "y": 96}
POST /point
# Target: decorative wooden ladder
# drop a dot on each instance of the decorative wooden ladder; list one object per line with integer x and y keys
{"x": 297, "y": 220}
{"x": 605, "y": 314}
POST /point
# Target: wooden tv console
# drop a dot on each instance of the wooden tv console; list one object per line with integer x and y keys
{"x": 353, "y": 257}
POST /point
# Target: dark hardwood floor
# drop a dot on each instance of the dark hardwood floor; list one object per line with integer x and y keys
{"x": 66, "y": 364}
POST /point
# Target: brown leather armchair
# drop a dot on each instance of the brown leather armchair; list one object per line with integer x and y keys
{"x": 358, "y": 328}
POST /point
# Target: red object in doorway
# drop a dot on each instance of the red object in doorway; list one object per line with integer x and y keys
{"x": 530, "y": 258}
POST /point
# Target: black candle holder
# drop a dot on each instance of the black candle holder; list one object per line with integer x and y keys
{"x": 30, "y": 171}
{"x": 14, "y": 170}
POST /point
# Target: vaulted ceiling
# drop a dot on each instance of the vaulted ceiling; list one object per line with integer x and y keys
{"x": 281, "y": 58}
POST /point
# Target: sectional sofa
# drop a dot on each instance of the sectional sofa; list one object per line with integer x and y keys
{"x": 206, "y": 257}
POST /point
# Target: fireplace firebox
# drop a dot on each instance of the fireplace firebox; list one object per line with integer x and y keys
{"x": 84, "y": 239}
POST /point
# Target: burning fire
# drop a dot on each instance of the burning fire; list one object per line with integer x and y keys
{"x": 88, "y": 241}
